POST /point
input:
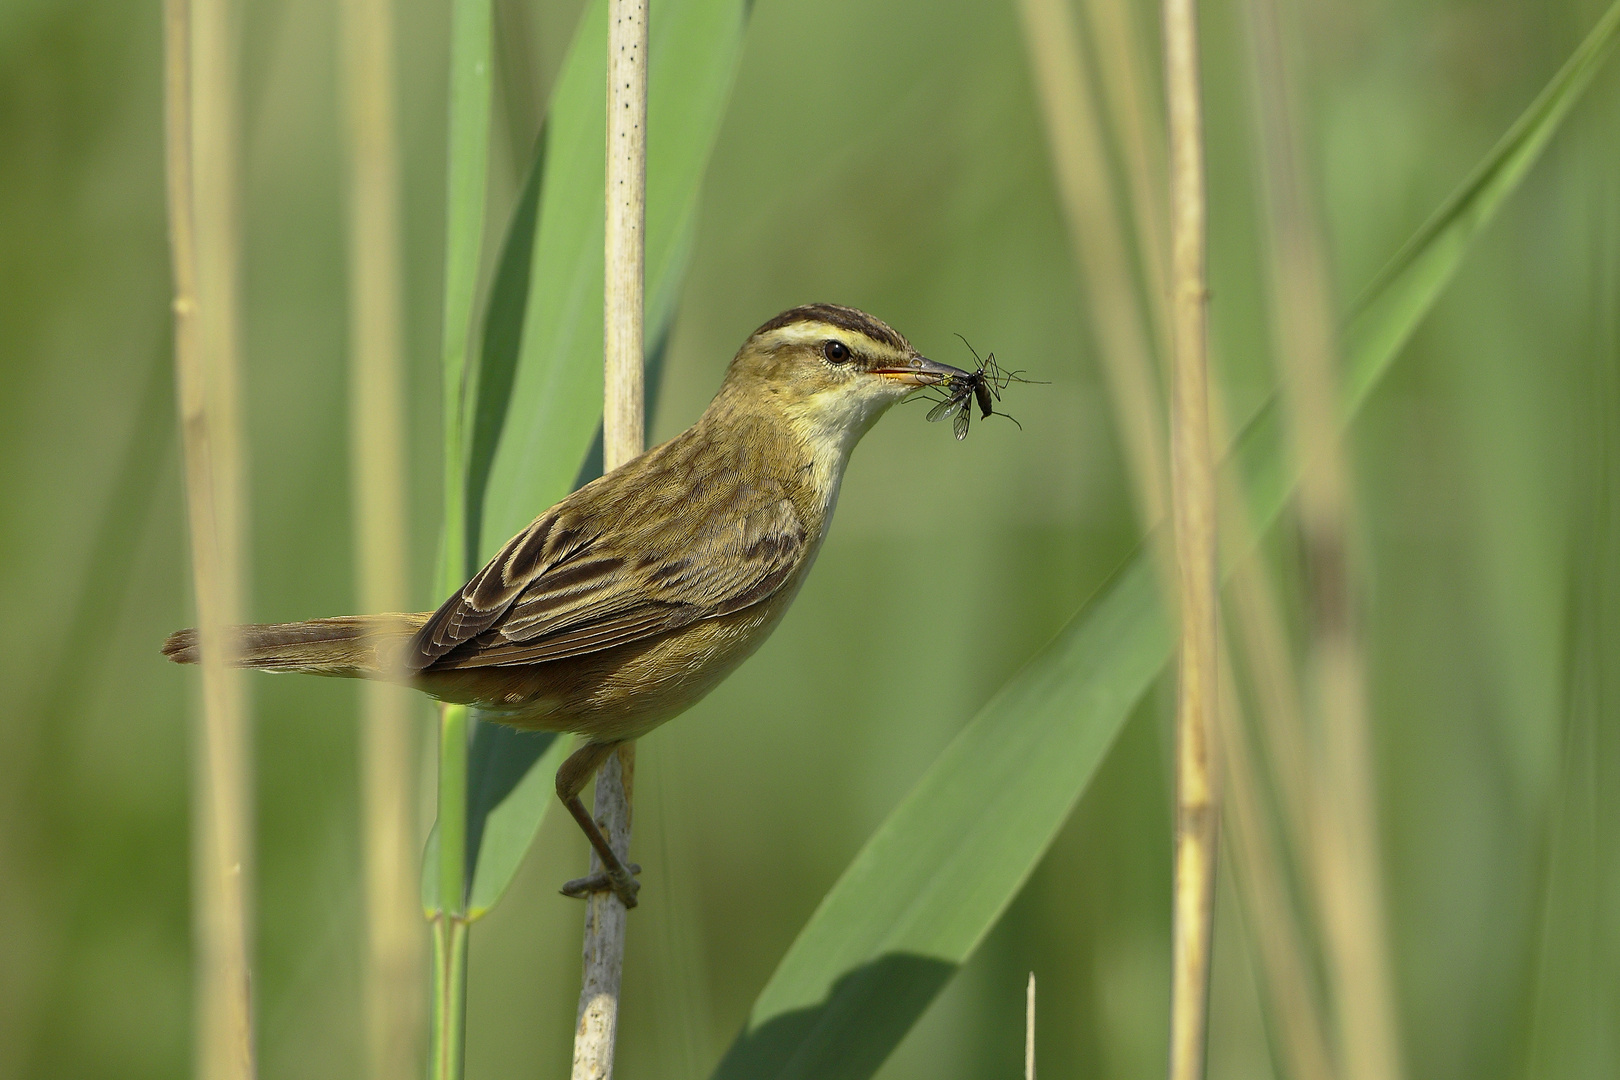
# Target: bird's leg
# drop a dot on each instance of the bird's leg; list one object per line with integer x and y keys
{"x": 571, "y": 779}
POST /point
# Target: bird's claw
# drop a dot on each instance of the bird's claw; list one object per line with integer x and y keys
{"x": 623, "y": 884}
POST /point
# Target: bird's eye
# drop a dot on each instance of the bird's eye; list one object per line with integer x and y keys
{"x": 835, "y": 351}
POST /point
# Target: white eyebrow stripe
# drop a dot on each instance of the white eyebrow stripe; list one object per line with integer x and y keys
{"x": 809, "y": 333}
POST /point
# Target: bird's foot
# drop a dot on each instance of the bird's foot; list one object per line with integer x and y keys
{"x": 620, "y": 879}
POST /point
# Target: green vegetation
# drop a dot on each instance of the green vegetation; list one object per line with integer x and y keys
{"x": 880, "y": 156}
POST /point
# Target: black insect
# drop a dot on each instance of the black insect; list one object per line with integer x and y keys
{"x": 982, "y": 387}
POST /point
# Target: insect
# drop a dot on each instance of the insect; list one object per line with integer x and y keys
{"x": 982, "y": 387}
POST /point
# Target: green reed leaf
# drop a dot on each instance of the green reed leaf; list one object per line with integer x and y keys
{"x": 555, "y": 404}
{"x": 537, "y": 388}
{"x": 931, "y": 882}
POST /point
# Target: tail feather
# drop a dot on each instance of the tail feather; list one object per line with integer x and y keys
{"x": 352, "y": 646}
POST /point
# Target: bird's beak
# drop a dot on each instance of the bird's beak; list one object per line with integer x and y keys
{"x": 920, "y": 371}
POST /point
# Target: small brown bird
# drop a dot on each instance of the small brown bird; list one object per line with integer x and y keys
{"x": 631, "y": 599}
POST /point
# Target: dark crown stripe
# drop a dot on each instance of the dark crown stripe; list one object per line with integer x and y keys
{"x": 846, "y": 318}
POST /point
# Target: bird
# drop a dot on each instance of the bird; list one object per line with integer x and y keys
{"x": 625, "y": 603}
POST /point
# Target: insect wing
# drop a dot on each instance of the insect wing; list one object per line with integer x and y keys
{"x": 938, "y": 411}
{"x": 964, "y": 416}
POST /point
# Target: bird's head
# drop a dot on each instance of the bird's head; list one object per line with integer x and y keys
{"x": 830, "y": 370}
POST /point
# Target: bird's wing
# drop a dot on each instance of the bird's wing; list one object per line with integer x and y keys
{"x": 602, "y": 571}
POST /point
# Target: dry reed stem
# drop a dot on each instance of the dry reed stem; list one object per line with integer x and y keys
{"x": 1279, "y": 940}
{"x": 596, "y": 1026}
{"x": 1260, "y": 857}
{"x": 624, "y": 248}
{"x": 623, "y": 430}
{"x": 1122, "y": 61}
{"x": 392, "y": 960}
{"x": 1349, "y": 881}
{"x": 200, "y": 148}
{"x": 1062, "y": 89}
{"x": 1293, "y": 1012}
{"x": 1029, "y": 1029}
{"x": 1346, "y": 863}
{"x": 1193, "y": 502}
{"x": 1297, "y": 1018}
{"x": 1100, "y": 245}
{"x": 1257, "y": 613}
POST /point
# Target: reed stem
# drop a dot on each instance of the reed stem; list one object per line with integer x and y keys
{"x": 1099, "y": 242}
{"x": 1343, "y": 849}
{"x": 1122, "y": 62}
{"x": 1292, "y": 1009}
{"x": 1193, "y": 503}
{"x": 1100, "y": 245}
{"x": 470, "y": 84}
{"x": 623, "y": 430}
{"x": 1029, "y": 1029}
{"x": 200, "y": 150}
{"x": 391, "y": 960}
{"x": 450, "y": 921}
{"x": 448, "y": 1053}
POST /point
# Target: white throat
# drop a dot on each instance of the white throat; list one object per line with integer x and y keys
{"x": 831, "y": 424}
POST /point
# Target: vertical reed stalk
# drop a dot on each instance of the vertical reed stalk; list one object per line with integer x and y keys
{"x": 1193, "y": 503}
{"x": 1099, "y": 242}
{"x": 1257, "y": 613}
{"x": 1263, "y": 850}
{"x": 1258, "y": 617}
{"x": 1293, "y": 1015}
{"x": 200, "y": 147}
{"x": 1276, "y": 936}
{"x": 1121, "y": 60}
{"x": 1296, "y": 1018}
{"x": 470, "y": 81}
{"x": 1029, "y": 1029}
{"x": 391, "y": 964}
{"x": 1093, "y": 216}
{"x": 1297, "y": 1023}
{"x": 1344, "y": 845}
{"x": 623, "y": 430}
{"x": 450, "y": 924}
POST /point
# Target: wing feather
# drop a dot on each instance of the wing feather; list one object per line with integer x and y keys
{"x": 612, "y": 564}
{"x": 604, "y": 635}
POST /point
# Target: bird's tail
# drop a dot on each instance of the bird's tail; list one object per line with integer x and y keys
{"x": 351, "y": 646}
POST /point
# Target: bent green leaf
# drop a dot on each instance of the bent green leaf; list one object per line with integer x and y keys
{"x": 556, "y": 394}
{"x": 537, "y": 387}
{"x": 934, "y": 878}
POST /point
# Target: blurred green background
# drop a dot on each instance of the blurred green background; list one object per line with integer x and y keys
{"x": 889, "y": 156}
